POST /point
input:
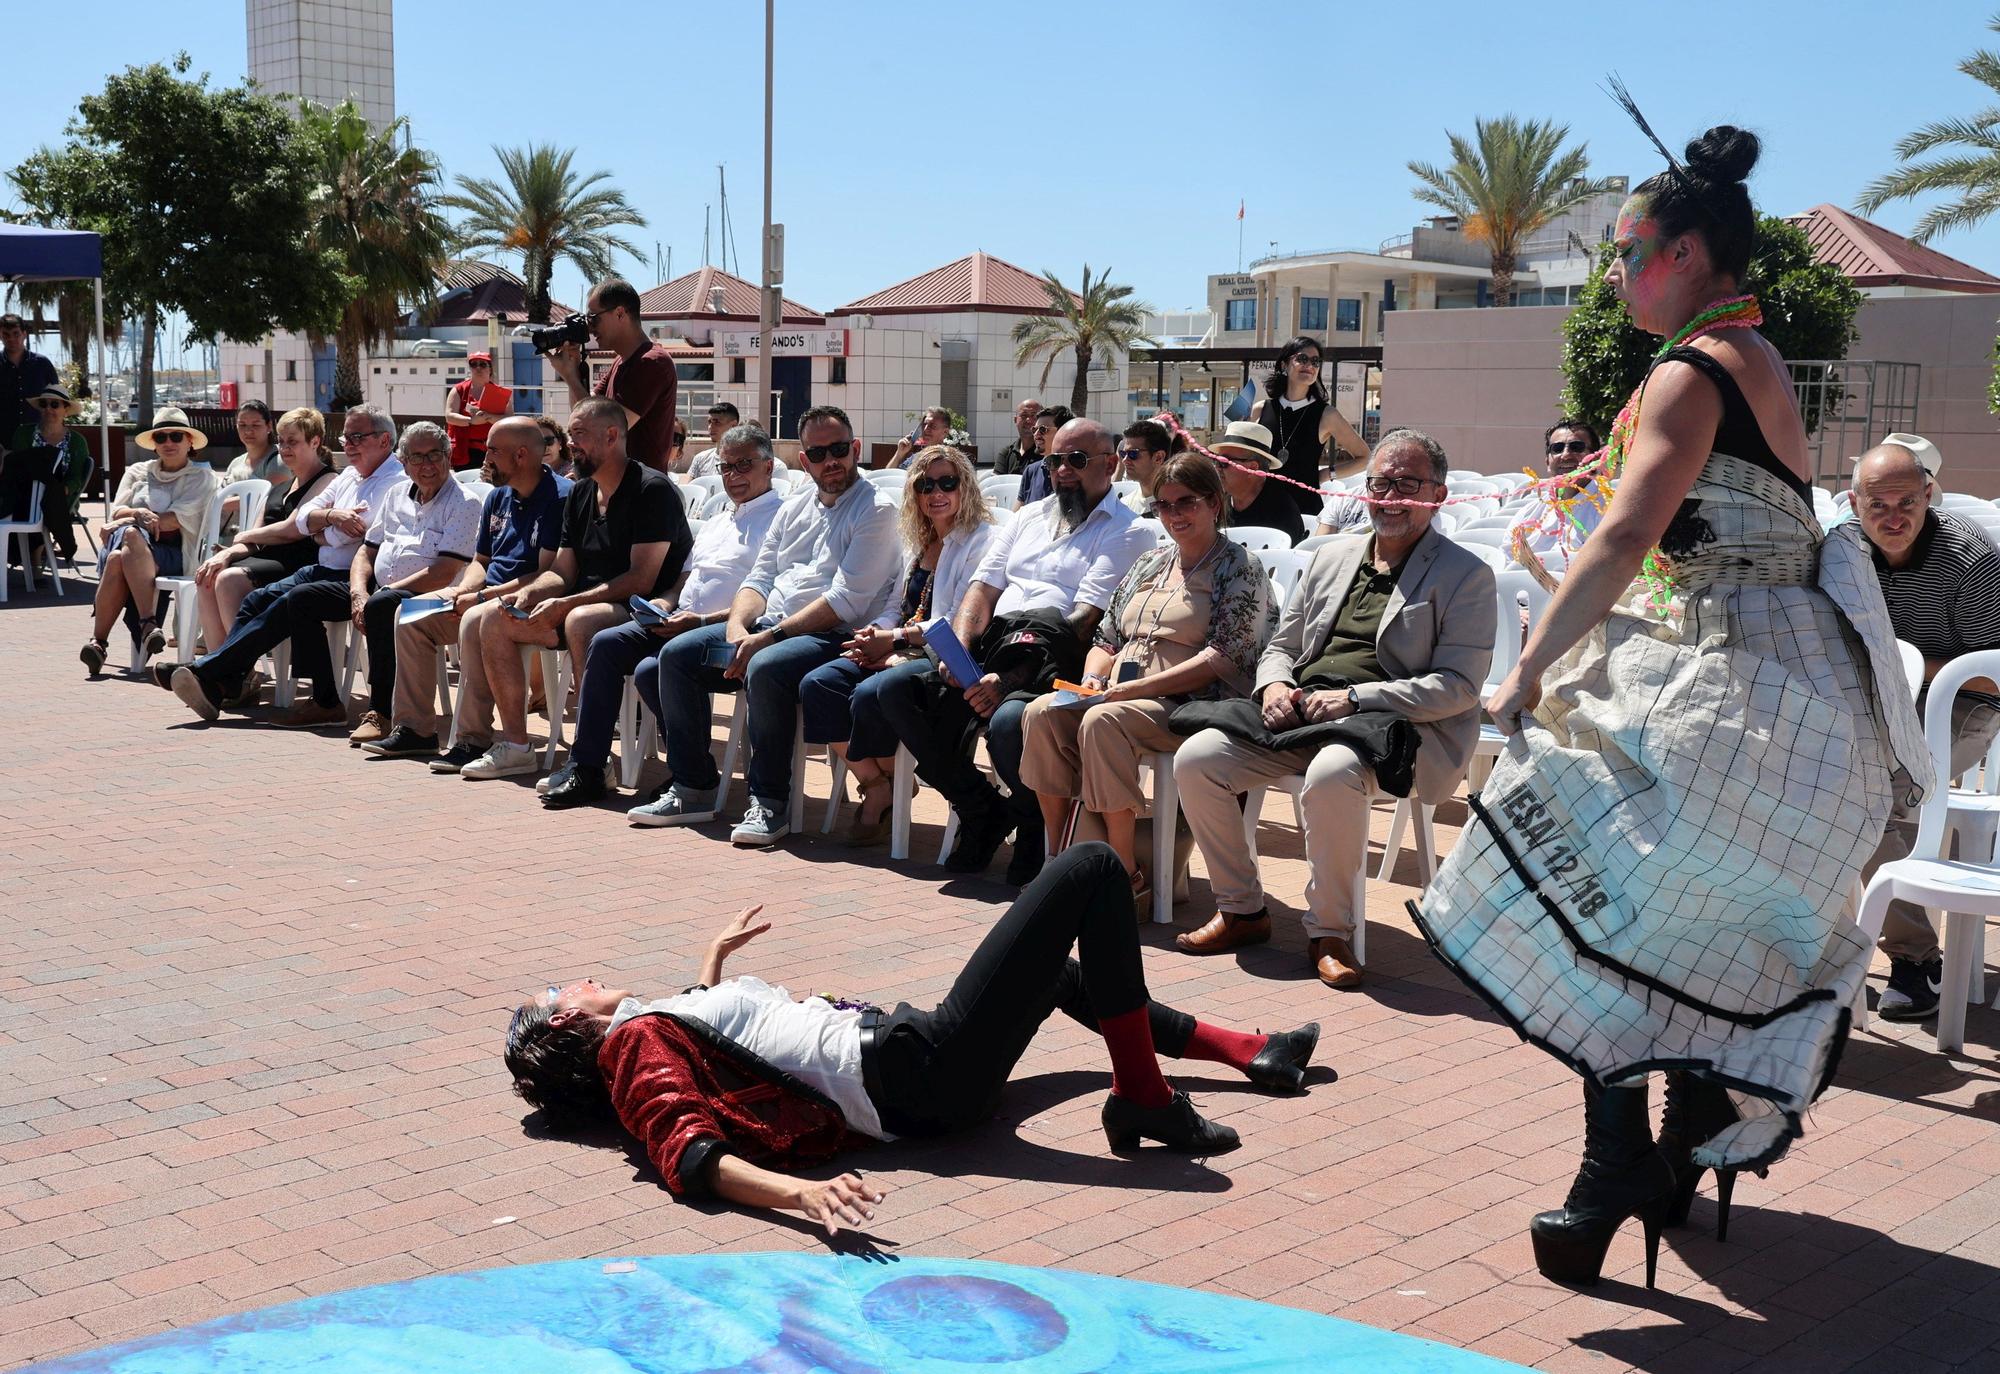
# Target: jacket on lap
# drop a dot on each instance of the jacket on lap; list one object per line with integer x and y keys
{"x": 691, "y": 1094}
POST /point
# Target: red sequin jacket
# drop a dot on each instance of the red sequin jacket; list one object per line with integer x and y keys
{"x": 691, "y": 1094}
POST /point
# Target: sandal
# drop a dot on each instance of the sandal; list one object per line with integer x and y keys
{"x": 153, "y": 639}
{"x": 93, "y": 654}
{"x": 863, "y": 833}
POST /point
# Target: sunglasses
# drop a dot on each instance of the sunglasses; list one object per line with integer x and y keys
{"x": 1573, "y": 446}
{"x": 170, "y": 436}
{"x": 741, "y": 465}
{"x": 1076, "y": 459}
{"x": 1133, "y": 455}
{"x": 480, "y": 367}
{"x": 924, "y": 486}
{"x": 1402, "y": 486}
{"x": 819, "y": 453}
{"x": 1303, "y": 361}
{"x": 1187, "y": 505}
{"x": 53, "y": 405}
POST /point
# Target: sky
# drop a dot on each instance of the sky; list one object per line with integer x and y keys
{"x": 1118, "y": 133}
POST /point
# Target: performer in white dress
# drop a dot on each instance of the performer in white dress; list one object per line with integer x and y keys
{"x": 1659, "y": 870}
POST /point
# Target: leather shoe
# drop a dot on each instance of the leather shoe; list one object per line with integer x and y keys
{"x": 581, "y": 787}
{"x": 1280, "y": 1067}
{"x": 1224, "y": 932}
{"x": 1177, "y": 1125}
{"x": 1333, "y": 960}
{"x": 1026, "y": 861}
{"x": 978, "y": 841}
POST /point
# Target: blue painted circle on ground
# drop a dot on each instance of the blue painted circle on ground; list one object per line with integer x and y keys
{"x": 684, "y": 1313}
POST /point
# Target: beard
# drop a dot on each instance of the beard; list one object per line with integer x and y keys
{"x": 581, "y": 464}
{"x": 1073, "y": 505}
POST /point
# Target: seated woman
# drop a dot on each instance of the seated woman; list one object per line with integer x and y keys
{"x": 946, "y": 528}
{"x": 731, "y": 1081}
{"x": 260, "y": 459}
{"x": 48, "y": 454}
{"x": 258, "y": 557}
{"x": 1187, "y": 623}
{"x": 156, "y": 522}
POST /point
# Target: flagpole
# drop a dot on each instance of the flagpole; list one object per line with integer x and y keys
{"x": 1239, "y": 236}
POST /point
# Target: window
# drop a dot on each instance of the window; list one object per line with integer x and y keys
{"x": 736, "y": 377}
{"x": 249, "y": 373}
{"x": 1347, "y": 319}
{"x": 1312, "y": 312}
{"x": 1239, "y": 316}
{"x": 291, "y": 369}
{"x": 836, "y": 375}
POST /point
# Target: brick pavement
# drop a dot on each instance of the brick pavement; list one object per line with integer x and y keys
{"x": 255, "y": 985}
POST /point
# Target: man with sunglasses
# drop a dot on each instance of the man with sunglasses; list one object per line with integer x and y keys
{"x": 298, "y": 607}
{"x": 1398, "y": 619}
{"x": 1037, "y": 480}
{"x": 725, "y": 549}
{"x": 1061, "y": 557}
{"x": 828, "y": 565}
{"x": 642, "y": 377}
{"x": 1141, "y": 456}
{"x": 1566, "y": 443}
{"x": 24, "y": 375}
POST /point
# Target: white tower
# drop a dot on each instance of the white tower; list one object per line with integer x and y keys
{"x": 326, "y": 51}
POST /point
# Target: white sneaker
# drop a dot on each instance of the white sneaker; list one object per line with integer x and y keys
{"x": 501, "y": 760}
{"x": 675, "y": 806}
{"x": 762, "y": 824}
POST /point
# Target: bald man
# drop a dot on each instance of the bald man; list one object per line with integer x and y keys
{"x": 1940, "y": 577}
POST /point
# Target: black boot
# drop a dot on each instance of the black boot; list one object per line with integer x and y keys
{"x": 1178, "y": 1126}
{"x": 1694, "y": 1111}
{"x": 1623, "y": 1175}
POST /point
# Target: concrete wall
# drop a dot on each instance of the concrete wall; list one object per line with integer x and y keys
{"x": 1486, "y": 383}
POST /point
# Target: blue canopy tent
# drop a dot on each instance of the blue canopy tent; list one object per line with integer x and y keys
{"x": 30, "y": 253}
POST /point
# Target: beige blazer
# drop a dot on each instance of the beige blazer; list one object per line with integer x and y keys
{"x": 1436, "y": 644}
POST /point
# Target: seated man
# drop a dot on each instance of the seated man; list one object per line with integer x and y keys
{"x": 519, "y": 530}
{"x": 725, "y": 551}
{"x": 722, "y": 417}
{"x": 1063, "y": 556}
{"x": 1141, "y": 458}
{"x": 1037, "y": 481}
{"x": 1255, "y": 500}
{"x": 827, "y": 566}
{"x": 624, "y": 534}
{"x": 732, "y": 1081}
{"x": 1340, "y": 512}
{"x": 423, "y": 535}
{"x": 299, "y": 606}
{"x": 1568, "y": 443}
{"x": 1940, "y": 576}
{"x": 1400, "y": 620}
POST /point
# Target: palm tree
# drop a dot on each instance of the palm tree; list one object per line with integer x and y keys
{"x": 1974, "y": 173}
{"x": 1100, "y": 316}
{"x": 375, "y": 212}
{"x": 547, "y": 214}
{"x": 1512, "y": 179}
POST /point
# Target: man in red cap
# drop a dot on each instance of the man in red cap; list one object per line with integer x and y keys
{"x": 470, "y": 408}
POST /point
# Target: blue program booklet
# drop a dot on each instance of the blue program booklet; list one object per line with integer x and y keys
{"x": 943, "y": 641}
{"x": 417, "y": 608}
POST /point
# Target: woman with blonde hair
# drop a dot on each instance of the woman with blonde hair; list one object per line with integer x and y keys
{"x": 258, "y": 557}
{"x": 946, "y": 527}
{"x": 156, "y": 522}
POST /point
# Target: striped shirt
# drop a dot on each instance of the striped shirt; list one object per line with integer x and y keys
{"x": 1946, "y": 599}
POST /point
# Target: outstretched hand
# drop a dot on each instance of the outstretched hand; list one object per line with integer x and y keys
{"x": 843, "y": 1199}
{"x": 740, "y": 931}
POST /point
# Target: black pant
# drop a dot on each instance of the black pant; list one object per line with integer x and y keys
{"x": 380, "y": 622}
{"x": 295, "y": 608}
{"x": 943, "y": 1069}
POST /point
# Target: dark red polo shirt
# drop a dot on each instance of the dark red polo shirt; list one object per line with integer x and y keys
{"x": 645, "y": 384}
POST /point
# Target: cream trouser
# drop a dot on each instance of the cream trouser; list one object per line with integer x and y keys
{"x": 1094, "y": 754}
{"x": 1213, "y": 771}
{"x": 416, "y": 670}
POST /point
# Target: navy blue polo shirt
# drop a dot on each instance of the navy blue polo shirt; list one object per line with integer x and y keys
{"x": 514, "y": 533}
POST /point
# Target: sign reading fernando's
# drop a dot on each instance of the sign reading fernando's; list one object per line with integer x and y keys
{"x": 786, "y": 343}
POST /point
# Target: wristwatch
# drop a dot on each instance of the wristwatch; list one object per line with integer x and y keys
{"x": 1353, "y": 702}
{"x": 778, "y": 632}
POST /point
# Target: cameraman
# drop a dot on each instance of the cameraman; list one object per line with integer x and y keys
{"x": 641, "y": 379}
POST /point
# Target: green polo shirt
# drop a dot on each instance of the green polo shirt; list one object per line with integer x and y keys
{"x": 1349, "y": 655}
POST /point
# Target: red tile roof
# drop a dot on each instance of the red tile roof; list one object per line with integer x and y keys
{"x": 1873, "y": 256}
{"x": 473, "y": 292}
{"x": 977, "y": 281}
{"x": 688, "y": 297}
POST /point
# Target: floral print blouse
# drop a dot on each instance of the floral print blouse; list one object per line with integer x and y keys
{"x": 1222, "y": 613}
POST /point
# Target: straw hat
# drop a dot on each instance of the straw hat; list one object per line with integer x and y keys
{"x": 1247, "y": 439}
{"x": 1923, "y": 450}
{"x": 171, "y": 417}
{"x": 52, "y": 392}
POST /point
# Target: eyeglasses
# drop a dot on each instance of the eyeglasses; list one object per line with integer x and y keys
{"x": 1304, "y": 360}
{"x": 170, "y": 436}
{"x": 1187, "y": 505}
{"x": 422, "y": 455}
{"x": 1133, "y": 455}
{"x": 819, "y": 453}
{"x": 926, "y": 485}
{"x": 1573, "y": 446}
{"x": 355, "y": 436}
{"x": 1076, "y": 458}
{"x": 741, "y": 465}
{"x": 1402, "y": 486}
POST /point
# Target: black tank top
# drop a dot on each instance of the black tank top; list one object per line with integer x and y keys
{"x": 1295, "y": 438}
{"x": 1739, "y": 434}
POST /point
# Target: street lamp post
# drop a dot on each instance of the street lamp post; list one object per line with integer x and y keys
{"x": 768, "y": 293}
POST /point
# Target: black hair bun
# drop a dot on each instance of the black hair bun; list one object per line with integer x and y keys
{"x": 1724, "y": 155}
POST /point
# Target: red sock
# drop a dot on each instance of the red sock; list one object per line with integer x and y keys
{"x": 1221, "y": 1046}
{"x": 1135, "y": 1069}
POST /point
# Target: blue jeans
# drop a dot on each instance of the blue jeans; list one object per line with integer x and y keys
{"x": 902, "y": 699}
{"x": 295, "y": 608}
{"x": 614, "y": 655}
{"x": 831, "y": 697}
{"x": 678, "y": 688}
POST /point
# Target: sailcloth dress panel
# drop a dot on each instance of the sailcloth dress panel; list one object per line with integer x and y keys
{"x": 1661, "y": 870}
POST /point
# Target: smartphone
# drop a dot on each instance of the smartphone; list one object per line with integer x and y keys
{"x": 721, "y": 655}
{"x": 514, "y": 610}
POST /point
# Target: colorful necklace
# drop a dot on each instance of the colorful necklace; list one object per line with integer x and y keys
{"x": 1560, "y": 495}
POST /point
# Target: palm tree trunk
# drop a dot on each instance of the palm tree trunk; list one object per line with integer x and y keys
{"x": 346, "y": 371}
{"x": 1503, "y": 279}
{"x": 1079, "y": 390}
{"x": 538, "y": 295}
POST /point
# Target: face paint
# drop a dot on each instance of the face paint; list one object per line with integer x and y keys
{"x": 1636, "y": 242}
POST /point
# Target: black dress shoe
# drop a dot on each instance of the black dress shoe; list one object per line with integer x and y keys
{"x": 1280, "y": 1067}
{"x": 582, "y": 787}
{"x": 978, "y": 841}
{"x": 1028, "y": 856}
{"x": 403, "y": 743}
{"x": 1178, "y": 1126}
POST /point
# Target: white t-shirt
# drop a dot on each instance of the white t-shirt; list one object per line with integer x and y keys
{"x": 814, "y": 1041}
{"x": 708, "y": 461}
{"x": 725, "y": 549}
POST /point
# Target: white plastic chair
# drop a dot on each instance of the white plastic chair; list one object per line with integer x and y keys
{"x": 893, "y": 478}
{"x": 1166, "y": 821}
{"x": 251, "y": 496}
{"x": 1286, "y": 567}
{"x": 1160, "y": 535}
{"x": 708, "y": 483}
{"x": 738, "y": 727}
{"x": 1512, "y": 588}
{"x": 1258, "y": 538}
{"x": 1001, "y": 493}
{"x": 1294, "y": 787}
{"x": 1958, "y": 500}
{"x": 1493, "y": 536}
{"x": 555, "y": 687}
{"x": 1312, "y": 544}
{"x": 24, "y": 533}
{"x": 1968, "y": 891}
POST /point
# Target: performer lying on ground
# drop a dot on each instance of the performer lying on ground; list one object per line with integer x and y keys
{"x": 732, "y": 1076}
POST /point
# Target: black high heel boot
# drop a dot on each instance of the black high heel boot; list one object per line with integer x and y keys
{"x": 1177, "y": 1125}
{"x": 1622, "y": 1176}
{"x": 1694, "y": 1111}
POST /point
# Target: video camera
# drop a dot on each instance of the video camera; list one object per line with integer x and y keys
{"x": 547, "y": 338}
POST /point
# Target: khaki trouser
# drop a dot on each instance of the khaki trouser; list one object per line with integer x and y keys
{"x": 416, "y": 670}
{"x": 1907, "y": 932}
{"x": 1094, "y": 754}
{"x": 1213, "y": 771}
